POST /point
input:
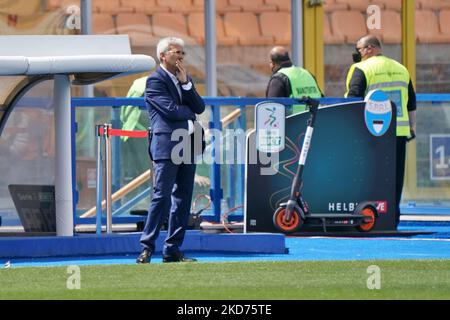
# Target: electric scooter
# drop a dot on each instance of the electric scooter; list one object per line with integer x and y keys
{"x": 293, "y": 214}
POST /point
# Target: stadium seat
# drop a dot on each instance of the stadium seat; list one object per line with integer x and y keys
{"x": 244, "y": 26}
{"x": 427, "y": 28}
{"x": 328, "y": 36}
{"x": 137, "y": 26}
{"x": 51, "y": 5}
{"x": 282, "y": 5}
{"x": 222, "y": 6}
{"x": 391, "y": 27}
{"x": 196, "y": 26}
{"x": 9, "y": 24}
{"x": 389, "y": 4}
{"x": 380, "y": 3}
{"x": 171, "y": 24}
{"x": 110, "y": 6}
{"x": 60, "y": 4}
{"x": 444, "y": 21}
{"x": 277, "y": 25}
{"x": 3, "y": 25}
{"x": 331, "y": 5}
{"x": 255, "y": 6}
{"x": 184, "y": 6}
{"x": 21, "y": 8}
{"x": 41, "y": 24}
{"x": 350, "y": 24}
{"x": 102, "y": 23}
{"x": 147, "y": 6}
{"x": 434, "y": 5}
{"x": 358, "y": 5}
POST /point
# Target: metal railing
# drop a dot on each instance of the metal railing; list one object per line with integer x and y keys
{"x": 237, "y": 120}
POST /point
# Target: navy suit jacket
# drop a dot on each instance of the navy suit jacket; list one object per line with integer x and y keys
{"x": 168, "y": 112}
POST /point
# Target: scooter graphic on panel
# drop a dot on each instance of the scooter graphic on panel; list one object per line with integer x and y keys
{"x": 293, "y": 214}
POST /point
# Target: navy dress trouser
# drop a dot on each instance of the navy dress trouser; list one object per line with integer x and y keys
{"x": 172, "y": 196}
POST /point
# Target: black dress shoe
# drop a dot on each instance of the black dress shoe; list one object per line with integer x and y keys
{"x": 144, "y": 257}
{"x": 177, "y": 257}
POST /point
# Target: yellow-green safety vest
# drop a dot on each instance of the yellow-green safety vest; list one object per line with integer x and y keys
{"x": 129, "y": 115}
{"x": 392, "y": 78}
{"x": 302, "y": 84}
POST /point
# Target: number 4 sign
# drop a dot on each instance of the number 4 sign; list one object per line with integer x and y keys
{"x": 440, "y": 156}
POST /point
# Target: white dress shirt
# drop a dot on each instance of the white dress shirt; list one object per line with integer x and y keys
{"x": 186, "y": 87}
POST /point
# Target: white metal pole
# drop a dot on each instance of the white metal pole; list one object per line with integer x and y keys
{"x": 86, "y": 16}
{"x": 297, "y": 32}
{"x": 108, "y": 180}
{"x": 63, "y": 157}
{"x": 99, "y": 191}
{"x": 87, "y": 90}
{"x": 210, "y": 48}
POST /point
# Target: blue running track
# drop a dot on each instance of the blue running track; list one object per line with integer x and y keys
{"x": 427, "y": 246}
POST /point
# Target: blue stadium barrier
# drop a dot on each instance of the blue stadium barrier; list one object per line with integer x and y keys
{"x": 216, "y": 191}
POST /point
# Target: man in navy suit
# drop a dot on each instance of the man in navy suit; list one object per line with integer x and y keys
{"x": 172, "y": 102}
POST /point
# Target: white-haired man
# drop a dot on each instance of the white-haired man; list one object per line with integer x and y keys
{"x": 172, "y": 102}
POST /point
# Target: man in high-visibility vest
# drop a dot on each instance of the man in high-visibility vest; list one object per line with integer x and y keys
{"x": 289, "y": 81}
{"x": 371, "y": 71}
{"x": 134, "y": 151}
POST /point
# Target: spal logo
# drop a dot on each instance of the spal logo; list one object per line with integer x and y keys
{"x": 378, "y": 112}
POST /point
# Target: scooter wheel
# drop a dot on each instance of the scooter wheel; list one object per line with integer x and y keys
{"x": 287, "y": 226}
{"x": 369, "y": 220}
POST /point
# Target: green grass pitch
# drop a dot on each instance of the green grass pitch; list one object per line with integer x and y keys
{"x": 396, "y": 279}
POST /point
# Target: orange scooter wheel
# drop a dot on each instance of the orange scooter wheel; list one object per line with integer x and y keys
{"x": 287, "y": 226}
{"x": 369, "y": 220}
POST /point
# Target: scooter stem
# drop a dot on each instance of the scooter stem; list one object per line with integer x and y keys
{"x": 298, "y": 180}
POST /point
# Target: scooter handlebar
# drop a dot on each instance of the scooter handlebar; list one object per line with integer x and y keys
{"x": 311, "y": 102}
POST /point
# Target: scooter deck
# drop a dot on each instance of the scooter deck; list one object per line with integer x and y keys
{"x": 334, "y": 215}
{"x": 334, "y": 220}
